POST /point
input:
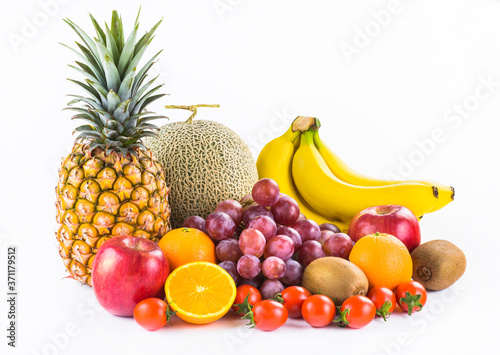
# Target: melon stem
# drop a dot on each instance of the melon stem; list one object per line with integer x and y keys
{"x": 192, "y": 108}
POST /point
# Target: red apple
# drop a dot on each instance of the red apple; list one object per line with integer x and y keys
{"x": 392, "y": 219}
{"x": 127, "y": 270}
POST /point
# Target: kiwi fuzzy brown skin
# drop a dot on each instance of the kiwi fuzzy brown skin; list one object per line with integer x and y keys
{"x": 438, "y": 264}
{"x": 336, "y": 278}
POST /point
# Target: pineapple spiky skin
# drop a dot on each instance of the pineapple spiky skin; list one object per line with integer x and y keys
{"x": 110, "y": 184}
{"x": 100, "y": 196}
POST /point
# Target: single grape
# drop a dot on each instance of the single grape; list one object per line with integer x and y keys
{"x": 325, "y": 234}
{"x": 228, "y": 250}
{"x": 220, "y": 226}
{"x": 329, "y": 226}
{"x": 232, "y": 208}
{"x": 308, "y": 229}
{"x": 248, "y": 266}
{"x": 230, "y": 267}
{"x": 310, "y": 251}
{"x": 255, "y": 211}
{"x": 195, "y": 222}
{"x": 280, "y": 246}
{"x": 301, "y": 217}
{"x": 293, "y": 273}
{"x": 256, "y": 282}
{"x": 339, "y": 245}
{"x": 252, "y": 242}
{"x": 266, "y": 192}
{"x": 265, "y": 225}
{"x": 293, "y": 234}
{"x": 273, "y": 268}
{"x": 285, "y": 211}
{"x": 270, "y": 288}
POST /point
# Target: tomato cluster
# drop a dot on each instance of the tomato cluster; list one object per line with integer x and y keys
{"x": 297, "y": 302}
{"x": 319, "y": 310}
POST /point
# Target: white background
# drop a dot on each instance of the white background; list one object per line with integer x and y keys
{"x": 266, "y": 63}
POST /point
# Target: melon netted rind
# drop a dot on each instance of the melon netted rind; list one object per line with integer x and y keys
{"x": 205, "y": 162}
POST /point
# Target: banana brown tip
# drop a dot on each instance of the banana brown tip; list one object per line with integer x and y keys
{"x": 435, "y": 191}
{"x": 452, "y": 193}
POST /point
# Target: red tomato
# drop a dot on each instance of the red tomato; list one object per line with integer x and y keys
{"x": 241, "y": 304}
{"x": 384, "y": 300}
{"x": 318, "y": 311}
{"x": 356, "y": 312}
{"x": 267, "y": 315}
{"x": 411, "y": 296}
{"x": 293, "y": 298}
{"x": 152, "y": 313}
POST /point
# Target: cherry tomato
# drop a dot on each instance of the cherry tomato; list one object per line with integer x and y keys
{"x": 293, "y": 297}
{"x": 246, "y": 297}
{"x": 356, "y": 312}
{"x": 267, "y": 315}
{"x": 152, "y": 313}
{"x": 384, "y": 300}
{"x": 411, "y": 296}
{"x": 318, "y": 311}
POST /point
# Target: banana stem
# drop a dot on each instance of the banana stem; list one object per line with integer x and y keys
{"x": 192, "y": 108}
{"x": 303, "y": 123}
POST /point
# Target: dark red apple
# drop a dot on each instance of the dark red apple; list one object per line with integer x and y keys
{"x": 392, "y": 219}
{"x": 127, "y": 270}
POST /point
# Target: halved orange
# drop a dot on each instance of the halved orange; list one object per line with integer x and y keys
{"x": 201, "y": 292}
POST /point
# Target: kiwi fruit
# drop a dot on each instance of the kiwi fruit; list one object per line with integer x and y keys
{"x": 336, "y": 278}
{"x": 438, "y": 264}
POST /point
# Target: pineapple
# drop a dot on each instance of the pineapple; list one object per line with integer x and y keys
{"x": 110, "y": 184}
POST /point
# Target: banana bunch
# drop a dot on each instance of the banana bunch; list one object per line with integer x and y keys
{"x": 327, "y": 189}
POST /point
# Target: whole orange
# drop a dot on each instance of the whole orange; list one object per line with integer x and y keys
{"x": 185, "y": 245}
{"x": 384, "y": 259}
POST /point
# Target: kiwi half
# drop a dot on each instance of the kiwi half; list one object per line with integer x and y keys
{"x": 438, "y": 264}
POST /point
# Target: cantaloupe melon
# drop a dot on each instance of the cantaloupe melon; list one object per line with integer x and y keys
{"x": 205, "y": 162}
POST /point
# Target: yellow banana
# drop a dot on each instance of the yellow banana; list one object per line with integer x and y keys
{"x": 275, "y": 162}
{"x": 344, "y": 172}
{"x": 336, "y": 199}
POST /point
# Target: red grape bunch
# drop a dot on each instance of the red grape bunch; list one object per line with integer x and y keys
{"x": 267, "y": 243}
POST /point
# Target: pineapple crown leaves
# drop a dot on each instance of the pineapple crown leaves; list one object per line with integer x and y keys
{"x": 115, "y": 111}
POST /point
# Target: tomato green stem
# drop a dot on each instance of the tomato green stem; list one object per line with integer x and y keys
{"x": 342, "y": 319}
{"x": 413, "y": 301}
{"x": 278, "y": 298}
{"x": 169, "y": 313}
{"x": 245, "y": 307}
{"x": 249, "y": 316}
{"x": 384, "y": 310}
